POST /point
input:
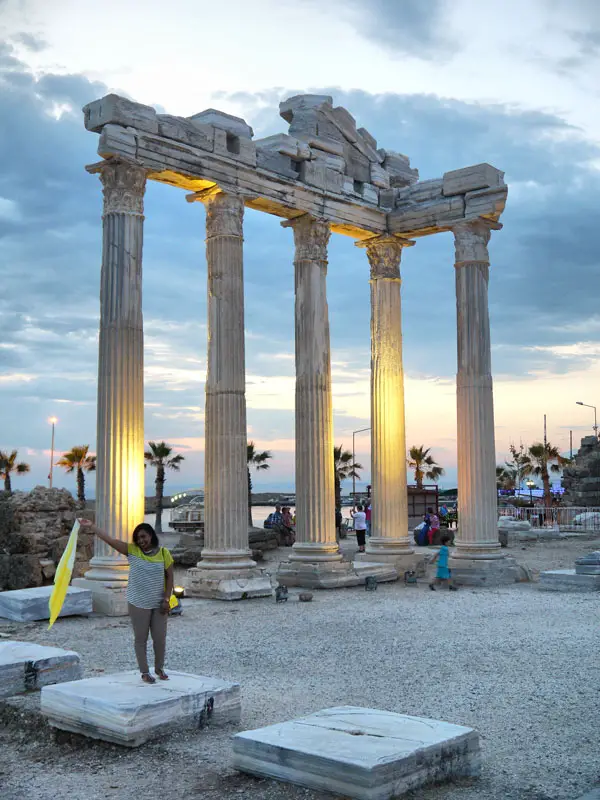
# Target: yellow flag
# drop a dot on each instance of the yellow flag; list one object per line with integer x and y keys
{"x": 63, "y": 576}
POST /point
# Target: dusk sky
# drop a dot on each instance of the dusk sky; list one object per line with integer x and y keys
{"x": 448, "y": 82}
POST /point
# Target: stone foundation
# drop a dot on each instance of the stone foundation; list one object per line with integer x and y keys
{"x": 214, "y": 584}
{"x": 122, "y": 709}
{"x": 108, "y": 598}
{"x": 401, "y": 563}
{"x": 568, "y": 580}
{"x": 332, "y": 574}
{"x": 360, "y": 753}
{"x": 484, "y": 572}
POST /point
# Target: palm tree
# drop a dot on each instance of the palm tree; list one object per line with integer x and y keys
{"x": 506, "y": 477}
{"x": 78, "y": 459}
{"x": 542, "y": 459}
{"x": 257, "y": 461}
{"x": 423, "y": 465}
{"x": 344, "y": 467}
{"x": 159, "y": 456}
{"x": 8, "y": 465}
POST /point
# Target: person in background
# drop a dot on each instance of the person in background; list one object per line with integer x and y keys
{"x": 368, "y": 518}
{"x": 360, "y": 526}
{"x": 274, "y": 519}
{"x": 287, "y": 525}
{"x": 338, "y": 523}
{"x": 434, "y": 525}
{"x": 443, "y": 574}
{"x": 149, "y": 590}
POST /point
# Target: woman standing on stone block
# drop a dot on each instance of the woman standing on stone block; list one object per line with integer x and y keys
{"x": 149, "y": 589}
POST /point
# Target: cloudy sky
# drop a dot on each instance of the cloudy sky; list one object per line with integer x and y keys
{"x": 449, "y": 82}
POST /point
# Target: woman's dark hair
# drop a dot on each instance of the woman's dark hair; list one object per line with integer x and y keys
{"x": 445, "y": 538}
{"x": 143, "y": 526}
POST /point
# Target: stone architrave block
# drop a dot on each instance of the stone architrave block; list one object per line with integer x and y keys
{"x": 569, "y": 580}
{"x": 358, "y": 166}
{"x": 370, "y": 194}
{"x": 238, "y": 149}
{"x": 315, "y": 173}
{"x": 227, "y": 122}
{"x": 122, "y": 709}
{"x": 440, "y": 214}
{"x": 379, "y": 177}
{"x": 25, "y": 666}
{"x": 421, "y": 192}
{"x": 28, "y": 605}
{"x": 332, "y": 146}
{"x": 398, "y": 168}
{"x": 285, "y": 145}
{"x": 119, "y": 111}
{"x": 368, "y": 138}
{"x": 301, "y": 102}
{"x": 336, "y": 163}
{"x": 115, "y": 140}
{"x": 468, "y": 179}
{"x": 362, "y": 753}
{"x": 485, "y": 202}
{"x": 276, "y": 162}
{"x": 184, "y": 130}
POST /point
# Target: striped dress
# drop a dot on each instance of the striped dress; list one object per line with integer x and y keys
{"x": 146, "y": 586}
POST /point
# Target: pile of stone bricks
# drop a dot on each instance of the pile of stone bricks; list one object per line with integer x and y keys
{"x": 34, "y": 530}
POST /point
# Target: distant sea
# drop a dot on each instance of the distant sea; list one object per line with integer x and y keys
{"x": 259, "y": 515}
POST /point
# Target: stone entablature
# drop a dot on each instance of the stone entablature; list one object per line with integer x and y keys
{"x": 324, "y": 166}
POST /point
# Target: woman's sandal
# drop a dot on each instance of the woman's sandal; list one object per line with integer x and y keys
{"x": 161, "y": 674}
{"x": 147, "y": 678}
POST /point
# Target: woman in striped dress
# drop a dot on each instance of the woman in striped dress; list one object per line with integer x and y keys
{"x": 149, "y": 589}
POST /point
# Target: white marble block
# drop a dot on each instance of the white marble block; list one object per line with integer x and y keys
{"x": 25, "y": 666}
{"x": 122, "y": 709}
{"x": 28, "y": 605}
{"x": 361, "y": 753}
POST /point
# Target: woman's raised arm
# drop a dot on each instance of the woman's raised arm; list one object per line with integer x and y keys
{"x": 116, "y": 544}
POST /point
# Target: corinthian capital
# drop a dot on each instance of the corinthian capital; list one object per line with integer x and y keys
{"x": 123, "y": 187}
{"x": 471, "y": 240}
{"x": 224, "y": 214}
{"x": 311, "y": 237}
{"x": 384, "y": 253}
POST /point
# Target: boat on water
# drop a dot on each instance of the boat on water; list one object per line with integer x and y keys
{"x": 189, "y": 517}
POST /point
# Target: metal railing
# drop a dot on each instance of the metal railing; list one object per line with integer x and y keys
{"x": 569, "y": 518}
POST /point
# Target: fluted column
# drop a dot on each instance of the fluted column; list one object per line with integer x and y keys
{"x": 478, "y": 523}
{"x": 315, "y": 489}
{"x": 225, "y": 481}
{"x": 120, "y": 414}
{"x": 389, "y": 516}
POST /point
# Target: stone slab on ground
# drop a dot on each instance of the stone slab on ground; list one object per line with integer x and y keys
{"x": 221, "y": 584}
{"x": 361, "y": 753}
{"x": 28, "y": 605}
{"x": 568, "y": 580}
{"x": 120, "y": 708}
{"x": 333, "y": 574}
{"x": 25, "y": 666}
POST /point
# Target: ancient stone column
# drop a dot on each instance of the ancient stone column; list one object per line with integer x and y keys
{"x": 120, "y": 413}
{"x": 389, "y": 514}
{"x": 477, "y": 537}
{"x": 226, "y": 570}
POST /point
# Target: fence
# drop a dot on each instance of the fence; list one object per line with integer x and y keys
{"x": 570, "y": 518}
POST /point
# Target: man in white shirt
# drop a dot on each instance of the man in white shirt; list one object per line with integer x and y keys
{"x": 360, "y": 526}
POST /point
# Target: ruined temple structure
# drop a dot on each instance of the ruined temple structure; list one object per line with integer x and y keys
{"x": 323, "y": 176}
{"x": 581, "y": 479}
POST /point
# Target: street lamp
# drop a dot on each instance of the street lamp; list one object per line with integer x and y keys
{"x": 530, "y": 484}
{"x": 360, "y": 430}
{"x": 579, "y": 403}
{"x": 52, "y": 422}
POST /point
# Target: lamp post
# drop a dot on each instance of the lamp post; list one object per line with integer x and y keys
{"x": 52, "y": 422}
{"x": 587, "y": 405}
{"x": 530, "y": 484}
{"x": 360, "y": 430}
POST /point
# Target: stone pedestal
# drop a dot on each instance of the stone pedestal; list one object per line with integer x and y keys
{"x": 336, "y": 575}
{"x": 401, "y": 562}
{"x": 27, "y": 605}
{"x": 361, "y": 753}
{"x": 108, "y": 597}
{"x": 226, "y": 571}
{"x": 315, "y": 487}
{"x": 122, "y": 709}
{"x": 25, "y": 666}
{"x": 120, "y": 415}
{"x": 477, "y": 538}
{"x": 389, "y": 541}
{"x": 584, "y": 578}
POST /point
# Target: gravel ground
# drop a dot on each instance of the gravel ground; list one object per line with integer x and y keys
{"x": 518, "y": 664}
